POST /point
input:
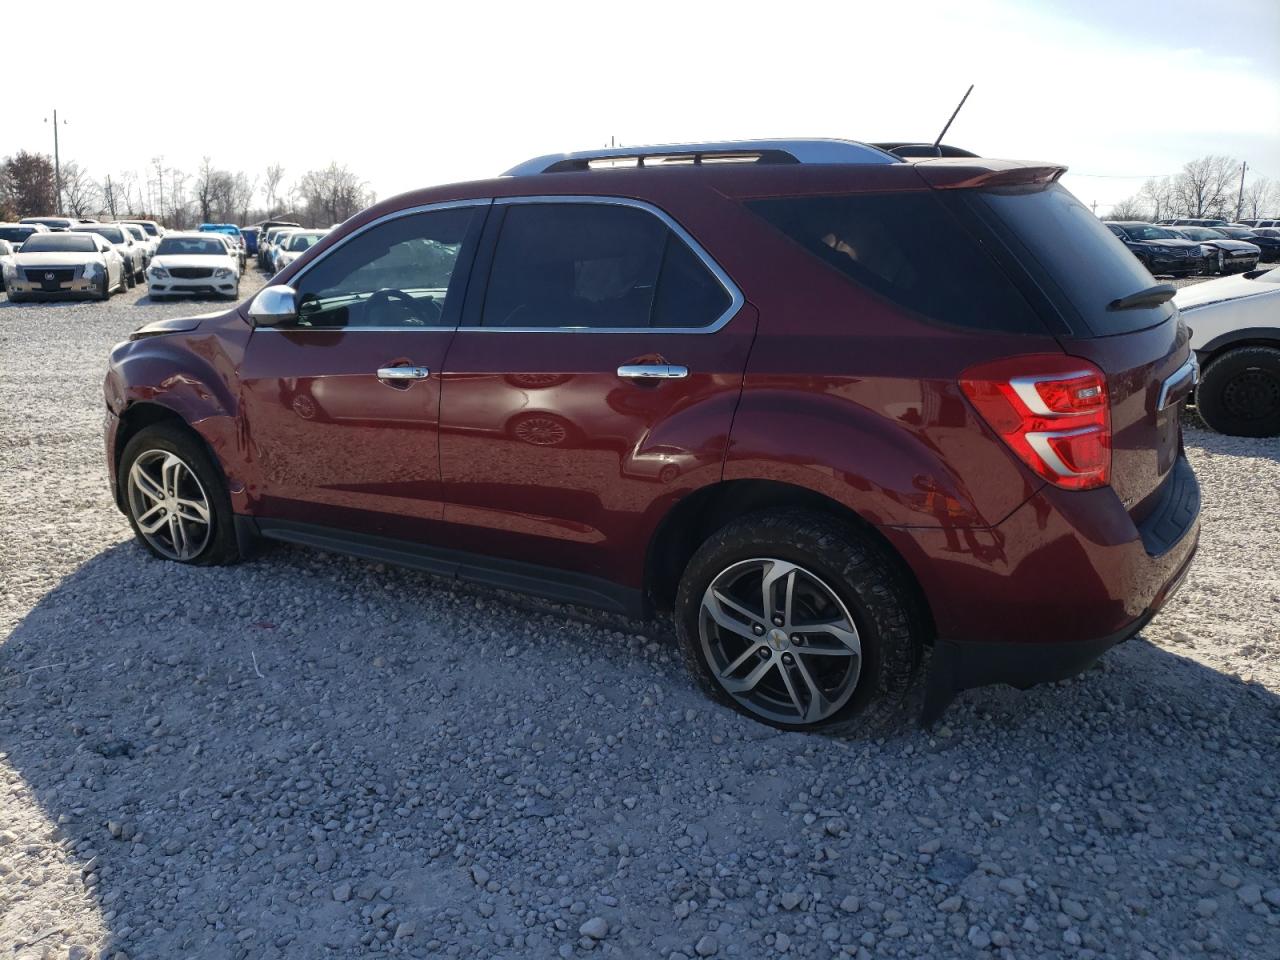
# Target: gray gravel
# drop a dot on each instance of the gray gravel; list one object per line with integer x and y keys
{"x": 311, "y": 756}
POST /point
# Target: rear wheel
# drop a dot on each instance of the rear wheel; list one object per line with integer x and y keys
{"x": 175, "y": 498}
{"x": 798, "y": 620}
{"x": 1239, "y": 392}
{"x": 129, "y": 278}
{"x": 104, "y": 289}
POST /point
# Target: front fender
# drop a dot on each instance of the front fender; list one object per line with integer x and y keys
{"x": 191, "y": 378}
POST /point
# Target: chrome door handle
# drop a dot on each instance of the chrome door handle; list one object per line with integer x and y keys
{"x": 403, "y": 373}
{"x": 653, "y": 371}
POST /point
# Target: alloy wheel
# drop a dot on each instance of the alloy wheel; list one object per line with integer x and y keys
{"x": 780, "y": 641}
{"x": 169, "y": 505}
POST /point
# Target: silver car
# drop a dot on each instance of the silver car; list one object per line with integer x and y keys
{"x": 119, "y": 237}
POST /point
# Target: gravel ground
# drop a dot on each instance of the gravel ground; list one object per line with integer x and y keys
{"x": 312, "y": 756}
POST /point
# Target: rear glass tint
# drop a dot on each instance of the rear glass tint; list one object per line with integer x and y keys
{"x": 1068, "y": 248}
{"x": 910, "y": 249}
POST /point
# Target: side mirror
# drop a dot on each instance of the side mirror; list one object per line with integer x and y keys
{"x": 274, "y": 306}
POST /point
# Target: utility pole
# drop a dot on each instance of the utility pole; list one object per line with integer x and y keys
{"x": 1240, "y": 199}
{"x": 57, "y": 161}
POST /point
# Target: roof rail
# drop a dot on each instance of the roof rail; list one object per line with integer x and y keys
{"x": 727, "y": 151}
{"x": 908, "y": 149}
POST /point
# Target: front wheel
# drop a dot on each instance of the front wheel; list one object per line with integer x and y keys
{"x": 175, "y": 498}
{"x": 1239, "y": 392}
{"x": 104, "y": 289}
{"x": 798, "y": 620}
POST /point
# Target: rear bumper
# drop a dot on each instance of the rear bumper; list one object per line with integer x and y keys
{"x": 1043, "y": 594}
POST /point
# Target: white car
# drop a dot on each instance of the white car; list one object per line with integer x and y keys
{"x": 295, "y": 245}
{"x": 119, "y": 237}
{"x": 6, "y": 261}
{"x": 1235, "y": 332}
{"x": 277, "y": 244}
{"x": 17, "y": 233}
{"x": 64, "y": 265}
{"x": 194, "y": 264}
{"x": 144, "y": 241}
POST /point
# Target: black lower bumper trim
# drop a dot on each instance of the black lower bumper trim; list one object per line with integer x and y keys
{"x": 963, "y": 666}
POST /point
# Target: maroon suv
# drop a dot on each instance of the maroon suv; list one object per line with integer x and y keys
{"x": 828, "y": 405}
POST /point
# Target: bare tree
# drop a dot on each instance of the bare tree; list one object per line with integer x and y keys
{"x": 271, "y": 184}
{"x": 1131, "y": 208}
{"x": 1204, "y": 187}
{"x": 1156, "y": 196}
{"x": 1260, "y": 198}
{"x": 333, "y": 194}
{"x": 80, "y": 195}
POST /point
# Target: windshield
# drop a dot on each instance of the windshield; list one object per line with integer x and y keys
{"x": 110, "y": 234}
{"x": 16, "y": 234}
{"x": 1267, "y": 232}
{"x": 191, "y": 246}
{"x": 137, "y": 232}
{"x": 1202, "y": 233}
{"x": 301, "y": 241}
{"x": 150, "y": 229}
{"x": 59, "y": 243}
{"x": 1142, "y": 232}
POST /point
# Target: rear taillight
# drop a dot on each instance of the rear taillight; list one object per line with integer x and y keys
{"x": 1053, "y": 412}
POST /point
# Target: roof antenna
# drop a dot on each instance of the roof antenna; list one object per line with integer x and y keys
{"x": 953, "y": 116}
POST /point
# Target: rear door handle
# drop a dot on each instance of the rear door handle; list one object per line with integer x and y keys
{"x": 403, "y": 373}
{"x": 653, "y": 371}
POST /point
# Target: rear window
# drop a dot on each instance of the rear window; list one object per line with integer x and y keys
{"x": 16, "y": 234}
{"x": 910, "y": 249}
{"x": 1072, "y": 255}
{"x": 197, "y": 246}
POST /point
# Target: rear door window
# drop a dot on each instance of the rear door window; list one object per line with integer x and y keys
{"x": 596, "y": 266}
{"x": 910, "y": 249}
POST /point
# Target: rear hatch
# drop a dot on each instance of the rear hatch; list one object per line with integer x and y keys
{"x": 1083, "y": 279}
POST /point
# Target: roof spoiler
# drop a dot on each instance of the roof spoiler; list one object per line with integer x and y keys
{"x": 957, "y": 174}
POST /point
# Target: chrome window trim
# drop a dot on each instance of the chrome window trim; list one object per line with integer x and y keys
{"x": 385, "y": 218}
{"x": 736, "y": 299}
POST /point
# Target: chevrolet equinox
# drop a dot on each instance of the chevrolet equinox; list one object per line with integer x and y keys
{"x": 827, "y": 403}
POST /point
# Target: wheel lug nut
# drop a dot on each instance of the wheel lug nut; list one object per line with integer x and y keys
{"x": 777, "y": 621}
{"x": 757, "y": 630}
{"x": 788, "y": 659}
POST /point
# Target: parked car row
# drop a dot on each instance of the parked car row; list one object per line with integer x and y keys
{"x": 1186, "y": 250}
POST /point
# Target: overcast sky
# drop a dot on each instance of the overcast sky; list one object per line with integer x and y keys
{"x": 409, "y": 95}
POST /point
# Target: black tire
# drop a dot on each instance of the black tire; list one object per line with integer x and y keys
{"x": 104, "y": 293}
{"x": 1239, "y": 392}
{"x": 128, "y": 277}
{"x": 220, "y": 548}
{"x": 890, "y": 624}
{"x": 17, "y": 298}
